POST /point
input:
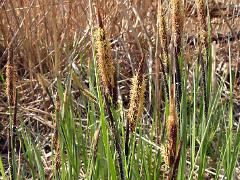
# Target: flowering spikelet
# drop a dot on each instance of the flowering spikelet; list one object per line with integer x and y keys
{"x": 172, "y": 131}
{"x": 11, "y": 80}
{"x": 136, "y": 101}
{"x": 105, "y": 63}
{"x": 137, "y": 97}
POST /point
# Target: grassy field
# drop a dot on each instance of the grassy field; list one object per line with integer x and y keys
{"x": 119, "y": 89}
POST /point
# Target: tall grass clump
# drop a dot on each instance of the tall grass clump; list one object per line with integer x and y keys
{"x": 108, "y": 76}
{"x": 84, "y": 109}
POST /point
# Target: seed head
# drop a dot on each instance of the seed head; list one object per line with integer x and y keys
{"x": 177, "y": 22}
{"x": 136, "y": 101}
{"x": 202, "y": 14}
{"x": 105, "y": 63}
{"x": 162, "y": 29}
{"x": 11, "y": 80}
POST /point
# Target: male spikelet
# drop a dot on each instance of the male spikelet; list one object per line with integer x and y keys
{"x": 11, "y": 80}
{"x": 163, "y": 35}
{"x": 177, "y": 28}
{"x": 137, "y": 93}
{"x": 177, "y": 23}
{"x": 105, "y": 62}
{"x": 203, "y": 46}
{"x": 172, "y": 131}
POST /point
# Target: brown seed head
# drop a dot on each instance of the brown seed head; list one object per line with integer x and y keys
{"x": 11, "y": 80}
{"x": 177, "y": 22}
{"x": 202, "y": 15}
{"x": 136, "y": 101}
{"x": 105, "y": 63}
{"x": 162, "y": 29}
{"x": 163, "y": 36}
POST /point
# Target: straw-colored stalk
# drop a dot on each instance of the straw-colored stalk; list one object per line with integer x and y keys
{"x": 136, "y": 100}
